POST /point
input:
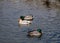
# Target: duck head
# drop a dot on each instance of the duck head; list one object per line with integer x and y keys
{"x": 39, "y": 30}
{"x": 22, "y": 17}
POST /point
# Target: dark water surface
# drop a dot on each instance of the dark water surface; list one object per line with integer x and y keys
{"x": 46, "y": 19}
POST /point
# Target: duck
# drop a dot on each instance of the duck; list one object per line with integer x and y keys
{"x": 23, "y": 21}
{"x": 35, "y": 33}
{"x": 29, "y": 17}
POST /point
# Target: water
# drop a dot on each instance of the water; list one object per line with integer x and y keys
{"x": 46, "y": 19}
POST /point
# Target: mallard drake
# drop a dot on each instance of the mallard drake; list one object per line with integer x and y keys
{"x": 24, "y": 21}
{"x": 35, "y": 33}
{"x": 28, "y": 17}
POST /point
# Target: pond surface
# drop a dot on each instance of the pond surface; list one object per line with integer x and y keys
{"x": 48, "y": 20}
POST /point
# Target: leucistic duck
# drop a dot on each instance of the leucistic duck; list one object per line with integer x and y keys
{"x": 23, "y": 21}
{"x": 35, "y": 33}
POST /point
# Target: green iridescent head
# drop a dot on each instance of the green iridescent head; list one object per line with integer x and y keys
{"x": 22, "y": 17}
{"x": 39, "y": 30}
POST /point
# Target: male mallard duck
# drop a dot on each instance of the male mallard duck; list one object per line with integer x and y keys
{"x": 28, "y": 17}
{"x": 35, "y": 33}
{"x": 23, "y": 21}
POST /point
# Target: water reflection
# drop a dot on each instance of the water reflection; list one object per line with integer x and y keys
{"x": 46, "y": 19}
{"x": 47, "y": 3}
{"x": 1, "y": 0}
